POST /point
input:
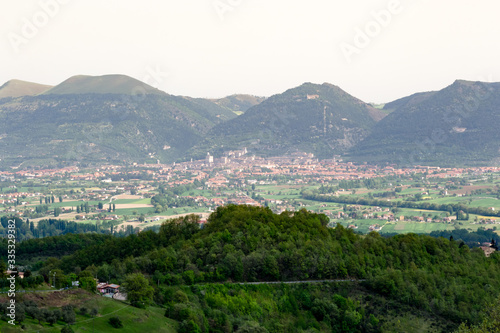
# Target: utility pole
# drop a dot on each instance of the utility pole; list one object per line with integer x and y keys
{"x": 324, "y": 120}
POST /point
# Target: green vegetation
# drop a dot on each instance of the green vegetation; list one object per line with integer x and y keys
{"x": 452, "y": 127}
{"x": 68, "y": 125}
{"x": 311, "y": 118}
{"x": 438, "y": 280}
{"x": 239, "y": 104}
{"x": 90, "y": 313}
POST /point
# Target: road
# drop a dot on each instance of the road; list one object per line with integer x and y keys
{"x": 287, "y": 282}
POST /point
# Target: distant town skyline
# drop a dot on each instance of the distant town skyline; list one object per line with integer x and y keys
{"x": 377, "y": 51}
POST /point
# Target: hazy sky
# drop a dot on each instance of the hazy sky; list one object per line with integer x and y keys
{"x": 375, "y": 50}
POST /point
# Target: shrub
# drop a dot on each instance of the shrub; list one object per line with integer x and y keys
{"x": 115, "y": 322}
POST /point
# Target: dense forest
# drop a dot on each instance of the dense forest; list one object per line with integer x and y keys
{"x": 54, "y": 227}
{"x": 434, "y": 277}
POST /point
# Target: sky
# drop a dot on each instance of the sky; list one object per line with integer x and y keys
{"x": 377, "y": 51}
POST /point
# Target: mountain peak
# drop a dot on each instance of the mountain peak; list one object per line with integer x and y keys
{"x": 105, "y": 84}
{"x": 18, "y": 88}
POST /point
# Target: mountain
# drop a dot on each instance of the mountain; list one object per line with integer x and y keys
{"x": 408, "y": 101}
{"x": 455, "y": 126}
{"x": 17, "y": 88}
{"x": 106, "y": 84}
{"x": 77, "y": 124}
{"x": 239, "y": 103}
{"x": 321, "y": 119}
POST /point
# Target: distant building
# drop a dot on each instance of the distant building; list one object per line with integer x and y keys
{"x": 105, "y": 288}
{"x": 209, "y": 159}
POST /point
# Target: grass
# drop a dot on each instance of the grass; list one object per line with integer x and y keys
{"x": 148, "y": 320}
{"x": 146, "y": 201}
{"x": 129, "y": 211}
{"x": 415, "y": 227}
{"x": 70, "y": 203}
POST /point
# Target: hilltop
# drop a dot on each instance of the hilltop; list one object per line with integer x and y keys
{"x": 239, "y": 103}
{"x": 321, "y": 119}
{"x": 106, "y": 84}
{"x": 17, "y": 88}
{"x": 90, "y": 119}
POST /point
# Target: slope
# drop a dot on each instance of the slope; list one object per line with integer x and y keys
{"x": 60, "y": 129}
{"x": 455, "y": 126}
{"x": 320, "y": 119}
{"x": 239, "y": 103}
{"x": 106, "y": 84}
{"x": 17, "y": 88}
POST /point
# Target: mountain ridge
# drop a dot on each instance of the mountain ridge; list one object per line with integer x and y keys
{"x": 104, "y": 84}
{"x": 322, "y": 119}
{"x": 453, "y": 126}
{"x": 18, "y": 88}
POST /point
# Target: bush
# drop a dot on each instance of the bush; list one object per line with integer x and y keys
{"x": 67, "y": 329}
{"x": 115, "y": 322}
{"x": 189, "y": 327}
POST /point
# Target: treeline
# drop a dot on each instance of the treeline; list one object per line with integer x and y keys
{"x": 51, "y": 227}
{"x": 29, "y": 308}
{"x": 356, "y": 200}
{"x": 471, "y": 238}
{"x": 245, "y": 244}
{"x": 265, "y": 308}
{"x": 164, "y": 202}
{"x": 55, "y": 245}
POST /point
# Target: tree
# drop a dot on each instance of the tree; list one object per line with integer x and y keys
{"x": 115, "y": 322}
{"x": 93, "y": 312}
{"x": 3, "y": 268}
{"x": 83, "y": 310}
{"x": 37, "y": 314}
{"x": 189, "y": 327}
{"x": 490, "y": 324}
{"x": 252, "y": 327}
{"x": 68, "y": 314}
{"x": 20, "y": 314}
{"x": 138, "y": 290}
{"x": 51, "y": 317}
{"x": 67, "y": 329}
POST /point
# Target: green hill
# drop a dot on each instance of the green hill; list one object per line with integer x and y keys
{"x": 106, "y": 84}
{"x": 321, "y": 119}
{"x": 239, "y": 103}
{"x": 18, "y": 88}
{"x": 60, "y": 129}
{"x": 342, "y": 281}
{"x": 455, "y": 126}
{"x": 408, "y": 101}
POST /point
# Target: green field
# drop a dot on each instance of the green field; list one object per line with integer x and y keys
{"x": 145, "y": 201}
{"x": 151, "y": 319}
{"x": 415, "y": 227}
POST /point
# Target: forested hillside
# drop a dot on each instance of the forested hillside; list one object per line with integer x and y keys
{"x": 320, "y": 119}
{"x": 440, "y": 281}
{"x": 63, "y": 129}
{"x": 452, "y": 127}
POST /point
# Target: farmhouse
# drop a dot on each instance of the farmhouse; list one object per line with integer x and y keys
{"x": 105, "y": 288}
